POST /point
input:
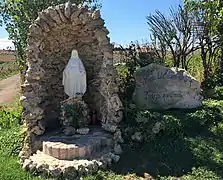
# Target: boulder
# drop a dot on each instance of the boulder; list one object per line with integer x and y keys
{"x": 159, "y": 87}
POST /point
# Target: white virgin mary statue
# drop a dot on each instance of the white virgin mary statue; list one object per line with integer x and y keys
{"x": 74, "y": 77}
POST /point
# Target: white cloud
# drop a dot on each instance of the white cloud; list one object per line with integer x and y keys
{"x": 5, "y": 42}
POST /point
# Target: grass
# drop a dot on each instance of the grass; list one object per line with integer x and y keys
{"x": 174, "y": 157}
{"x": 10, "y": 145}
{"x": 191, "y": 140}
{"x": 13, "y": 171}
{"x": 192, "y": 151}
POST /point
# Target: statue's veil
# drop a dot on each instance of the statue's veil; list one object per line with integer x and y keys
{"x": 74, "y": 76}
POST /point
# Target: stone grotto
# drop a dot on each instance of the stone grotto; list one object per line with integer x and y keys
{"x": 53, "y": 146}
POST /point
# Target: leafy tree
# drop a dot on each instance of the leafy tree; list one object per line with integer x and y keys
{"x": 17, "y": 15}
{"x": 173, "y": 34}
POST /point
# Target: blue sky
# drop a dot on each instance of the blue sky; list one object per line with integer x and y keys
{"x": 125, "y": 19}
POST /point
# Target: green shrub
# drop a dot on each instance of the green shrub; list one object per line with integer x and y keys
{"x": 209, "y": 85}
{"x": 201, "y": 174}
{"x": 74, "y": 114}
{"x": 196, "y": 174}
{"x": 126, "y": 81}
{"x": 186, "y": 139}
{"x": 176, "y": 122}
{"x": 213, "y": 103}
{"x": 11, "y": 141}
{"x": 130, "y": 59}
{"x": 218, "y": 92}
{"x": 213, "y": 81}
{"x": 10, "y": 117}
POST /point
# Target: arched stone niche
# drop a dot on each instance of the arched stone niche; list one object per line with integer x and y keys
{"x": 52, "y": 36}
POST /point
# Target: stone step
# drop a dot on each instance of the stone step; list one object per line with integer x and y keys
{"x": 81, "y": 148}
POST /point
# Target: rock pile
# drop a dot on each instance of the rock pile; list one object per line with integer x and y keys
{"x": 45, "y": 165}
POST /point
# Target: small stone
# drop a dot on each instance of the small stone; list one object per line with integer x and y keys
{"x": 35, "y": 30}
{"x": 60, "y": 9}
{"x": 96, "y": 14}
{"x": 55, "y": 172}
{"x": 101, "y": 37}
{"x": 109, "y": 127}
{"x": 109, "y": 161}
{"x": 54, "y": 15}
{"x": 148, "y": 176}
{"x": 158, "y": 126}
{"x": 25, "y": 153}
{"x": 132, "y": 106}
{"x": 37, "y": 130}
{"x": 115, "y": 158}
{"x": 137, "y": 137}
{"x": 118, "y": 137}
{"x": 26, "y": 164}
{"x": 42, "y": 124}
{"x": 44, "y": 26}
{"x": 22, "y": 98}
{"x": 67, "y": 9}
{"x": 76, "y": 13}
{"x": 69, "y": 131}
{"x": 39, "y": 167}
{"x": 47, "y": 18}
{"x": 83, "y": 131}
{"x": 118, "y": 149}
{"x": 32, "y": 167}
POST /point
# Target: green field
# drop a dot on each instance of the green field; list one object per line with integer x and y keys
{"x": 8, "y": 66}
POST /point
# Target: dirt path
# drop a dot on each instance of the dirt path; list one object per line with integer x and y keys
{"x": 9, "y": 88}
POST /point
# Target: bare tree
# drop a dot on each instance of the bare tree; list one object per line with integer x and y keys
{"x": 207, "y": 40}
{"x": 173, "y": 34}
{"x": 220, "y": 31}
{"x": 159, "y": 46}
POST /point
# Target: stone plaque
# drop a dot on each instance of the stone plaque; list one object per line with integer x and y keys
{"x": 159, "y": 87}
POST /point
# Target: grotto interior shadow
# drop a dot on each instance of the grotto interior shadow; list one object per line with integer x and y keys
{"x": 177, "y": 153}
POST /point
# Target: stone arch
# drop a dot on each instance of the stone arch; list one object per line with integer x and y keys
{"x": 51, "y": 38}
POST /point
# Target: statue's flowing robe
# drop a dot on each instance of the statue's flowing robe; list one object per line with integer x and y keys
{"x": 74, "y": 78}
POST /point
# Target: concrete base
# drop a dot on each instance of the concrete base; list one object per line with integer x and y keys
{"x": 72, "y": 157}
{"x": 77, "y": 146}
